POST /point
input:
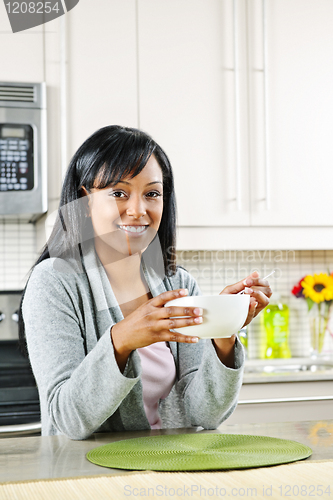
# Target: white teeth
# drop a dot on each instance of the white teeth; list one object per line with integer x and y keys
{"x": 134, "y": 229}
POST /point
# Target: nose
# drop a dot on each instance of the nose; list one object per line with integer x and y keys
{"x": 136, "y": 207}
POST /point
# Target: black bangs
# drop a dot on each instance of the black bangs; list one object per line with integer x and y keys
{"x": 121, "y": 158}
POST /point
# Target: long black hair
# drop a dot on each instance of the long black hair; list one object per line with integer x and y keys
{"x": 107, "y": 156}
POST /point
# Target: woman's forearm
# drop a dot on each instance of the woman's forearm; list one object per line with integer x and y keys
{"x": 225, "y": 350}
{"x": 121, "y": 354}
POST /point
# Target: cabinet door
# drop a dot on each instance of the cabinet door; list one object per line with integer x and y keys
{"x": 102, "y": 70}
{"x": 299, "y": 112}
{"x": 22, "y": 54}
{"x": 187, "y": 103}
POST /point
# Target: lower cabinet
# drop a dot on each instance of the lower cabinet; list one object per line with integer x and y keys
{"x": 284, "y": 402}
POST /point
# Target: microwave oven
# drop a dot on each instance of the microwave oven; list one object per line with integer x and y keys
{"x": 23, "y": 160}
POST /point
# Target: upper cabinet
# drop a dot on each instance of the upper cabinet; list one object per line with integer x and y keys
{"x": 22, "y": 54}
{"x": 290, "y": 72}
{"x": 102, "y": 68}
{"x": 194, "y": 105}
{"x": 239, "y": 94}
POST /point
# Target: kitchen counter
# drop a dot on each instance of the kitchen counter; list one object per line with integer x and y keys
{"x": 31, "y": 458}
{"x": 262, "y": 371}
{"x": 280, "y": 390}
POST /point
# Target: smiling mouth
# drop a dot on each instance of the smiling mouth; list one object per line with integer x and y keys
{"x": 133, "y": 229}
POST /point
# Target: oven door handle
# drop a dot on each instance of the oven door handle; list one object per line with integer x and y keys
{"x": 20, "y": 429}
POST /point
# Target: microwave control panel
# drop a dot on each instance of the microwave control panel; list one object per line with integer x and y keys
{"x": 16, "y": 157}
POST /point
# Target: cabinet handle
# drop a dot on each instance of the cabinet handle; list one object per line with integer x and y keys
{"x": 285, "y": 400}
{"x": 266, "y": 149}
{"x": 63, "y": 96}
{"x": 237, "y": 109}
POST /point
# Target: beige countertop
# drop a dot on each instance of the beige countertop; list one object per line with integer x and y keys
{"x": 35, "y": 457}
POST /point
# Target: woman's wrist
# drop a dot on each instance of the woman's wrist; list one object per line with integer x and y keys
{"x": 121, "y": 352}
{"x": 225, "y": 349}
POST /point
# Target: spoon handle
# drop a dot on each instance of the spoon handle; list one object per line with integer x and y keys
{"x": 268, "y": 275}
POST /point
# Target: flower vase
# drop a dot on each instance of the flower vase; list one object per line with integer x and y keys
{"x": 319, "y": 317}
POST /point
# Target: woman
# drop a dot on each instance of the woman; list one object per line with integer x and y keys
{"x": 98, "y": 334}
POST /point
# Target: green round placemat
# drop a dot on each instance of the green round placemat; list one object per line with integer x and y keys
{"x": 185, "y": 452}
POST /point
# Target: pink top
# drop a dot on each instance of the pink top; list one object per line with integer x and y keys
{"x": 158, "y": 376}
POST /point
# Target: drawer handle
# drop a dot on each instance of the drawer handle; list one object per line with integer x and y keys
{"x": 237, "y": 109}
{"x": 266, "y": 144}
{"x": 20, "y": 428}
{"x": 285, "y": 400}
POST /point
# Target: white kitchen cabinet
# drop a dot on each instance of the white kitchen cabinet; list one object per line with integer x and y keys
{"x": 102, "y": 68}
{"x": 250, "y": 148}
{"x": 22, "y": 54}
{"x": 299, "y": 112}
{"x": 91, "y": 77}
{"x": 168, "y": 67}
{"x": 187, "y": 103}
{"x": 90, "y": 71}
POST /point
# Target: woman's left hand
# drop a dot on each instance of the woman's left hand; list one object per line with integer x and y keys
{"x": 259, "y": 291}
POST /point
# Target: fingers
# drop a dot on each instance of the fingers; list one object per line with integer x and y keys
{"x": 173, "y": 311}
{"x": 163, "y": 298}
{"x": 235, "y": 288}
{"x": 167, "y": 336}
{"x": 253, "y": 304}
{"x": 185, "y": 339}
{"x": 253, "y": 311}
{"x": 262, "y": 293}
{"x": 252, "y": 279}
{"x": 160, "y": 320}
{"x": 255, "y": 274}
{"x": 261, "y": 300}
{"x": 171, "y": 323}
{"x": 251, "y": 282}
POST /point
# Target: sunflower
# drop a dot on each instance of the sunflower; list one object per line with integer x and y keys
{"x": 318, "y": 287}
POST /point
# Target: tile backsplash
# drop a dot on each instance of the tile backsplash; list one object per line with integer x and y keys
{"x": 213, "y": 270}
{"x": 17, "y": 252}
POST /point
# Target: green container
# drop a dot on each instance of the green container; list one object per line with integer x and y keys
{"x": 275, "y": 321}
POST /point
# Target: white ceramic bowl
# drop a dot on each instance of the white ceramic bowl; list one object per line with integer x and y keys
{"x": 223, "y": 315}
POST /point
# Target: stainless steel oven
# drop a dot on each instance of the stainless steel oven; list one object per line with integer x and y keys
{"x": 23, "y": 162}
{"x": 19, "y": 402}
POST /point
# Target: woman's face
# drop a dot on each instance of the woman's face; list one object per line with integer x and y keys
{"x": 126, "y": 216}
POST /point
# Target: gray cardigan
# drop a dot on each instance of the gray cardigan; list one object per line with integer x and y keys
{"x": 68, "y": 310}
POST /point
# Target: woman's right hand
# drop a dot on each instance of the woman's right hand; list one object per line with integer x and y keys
{"x": 150, "y": 323}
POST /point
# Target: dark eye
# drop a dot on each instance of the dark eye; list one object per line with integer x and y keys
{"x": 117, "y": 194}
{"x": 153, "y": 194}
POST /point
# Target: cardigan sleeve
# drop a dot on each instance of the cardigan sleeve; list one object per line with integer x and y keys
{"x": 208, "y": 388}
{"x": 80, "y": 390}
